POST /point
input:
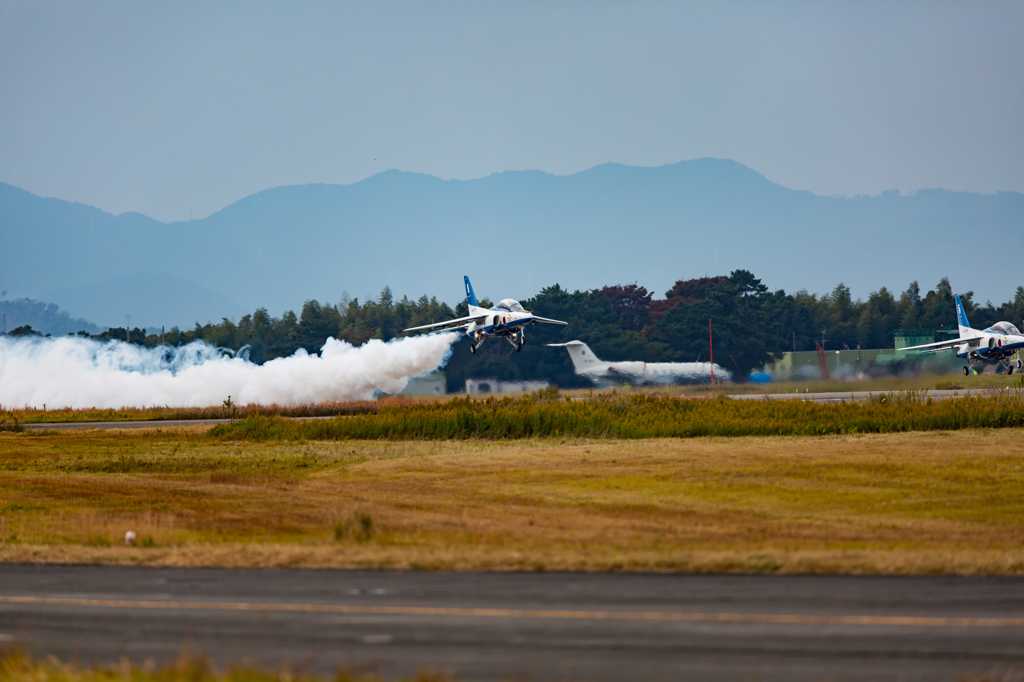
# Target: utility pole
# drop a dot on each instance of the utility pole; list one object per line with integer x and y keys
{"x": 823, "y": 338}
{"x": 161, "y": 335}
{"x": 127, "y": 326}
{"x": 794, "y": 341}
{"x": 711, "y": 344}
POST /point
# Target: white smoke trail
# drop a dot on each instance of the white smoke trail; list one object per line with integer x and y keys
{"x": 82, "y": 373}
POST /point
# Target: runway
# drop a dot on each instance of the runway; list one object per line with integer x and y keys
{"x": 494, "y": 626}
{"x": 853, "y": 396}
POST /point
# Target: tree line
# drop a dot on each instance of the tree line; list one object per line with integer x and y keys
{"x": 751, "y": 325}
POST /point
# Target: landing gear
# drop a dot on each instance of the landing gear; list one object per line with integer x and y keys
{"x": 517, "y": 341}
{"x": 472, "y": 349}
{"x": 1008, "y": 365}
{"x": 967, "y": 372}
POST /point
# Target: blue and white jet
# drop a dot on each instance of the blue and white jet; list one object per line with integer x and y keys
{"x": 507, "y": 319}
{"x": 993, "y": 346}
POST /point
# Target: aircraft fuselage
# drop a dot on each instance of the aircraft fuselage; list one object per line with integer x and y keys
{"x": 498, "y": 322}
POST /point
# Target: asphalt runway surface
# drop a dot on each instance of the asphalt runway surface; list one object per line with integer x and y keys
{"x": 530, "y": 626}
{"x": 853, "y": 396}
{"x": 831, "y": 397}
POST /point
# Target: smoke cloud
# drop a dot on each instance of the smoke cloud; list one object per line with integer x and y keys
{"x": 82, "y": 373}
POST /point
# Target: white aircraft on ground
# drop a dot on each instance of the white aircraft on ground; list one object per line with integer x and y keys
{"x": 588, "y": 365}
{"x": 507, "y": 319}
{"x": 993, "y": 346}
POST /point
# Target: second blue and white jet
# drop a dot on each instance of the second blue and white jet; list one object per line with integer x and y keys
{"x": 507, "y": 320}
{"x": 996, "y": 345}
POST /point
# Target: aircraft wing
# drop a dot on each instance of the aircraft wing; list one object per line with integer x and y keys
{"x": 458, "y": 322}
{"x": 939, "y": 345}
{"x": 537, "y": 318}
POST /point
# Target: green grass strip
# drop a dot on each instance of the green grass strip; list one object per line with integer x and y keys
{"x": 640, "y": 416}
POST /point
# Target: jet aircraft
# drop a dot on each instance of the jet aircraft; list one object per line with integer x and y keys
{"x": 993, "y": 346}
{"x": 635, "y": 372}
{"x": 507, "y": 319}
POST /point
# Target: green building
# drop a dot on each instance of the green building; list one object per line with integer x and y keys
{"x": 905, "y": 338}
{"x": 846, "y": 364}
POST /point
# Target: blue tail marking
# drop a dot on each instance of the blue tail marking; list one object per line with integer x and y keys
{"x": 961, "y": 316}
{"x": 470, "y": 296}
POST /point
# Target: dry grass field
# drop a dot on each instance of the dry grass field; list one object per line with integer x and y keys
{"x": 16, "y": 666}
{"x": 903, "y": 503}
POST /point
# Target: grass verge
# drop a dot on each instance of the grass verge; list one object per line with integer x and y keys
{"x": 640, "y": 416}
{"x": 920, "y": 383}
{"x": 17, "y": 666}
{"x": 225, "y": 411}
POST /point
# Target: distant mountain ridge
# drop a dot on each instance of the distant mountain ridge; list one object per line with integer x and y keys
{"x": 152, "y": 300}
{"x": 515, "y": 232}
{"x": 45, "y": 318}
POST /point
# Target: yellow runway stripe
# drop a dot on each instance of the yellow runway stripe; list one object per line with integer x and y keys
{"x": 669, "y": 616}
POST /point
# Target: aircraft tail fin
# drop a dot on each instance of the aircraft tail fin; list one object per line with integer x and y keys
{"x": 581, "y": 355}
{"x": 470, "y": 296}
{"x": 961, "y": 319}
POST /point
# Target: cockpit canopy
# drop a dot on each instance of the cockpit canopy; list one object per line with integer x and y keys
{"x": 510, "y": 305}
{"x": 1003, "y": 328}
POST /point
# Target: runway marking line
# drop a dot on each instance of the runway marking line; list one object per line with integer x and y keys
{"x": 557, "y": 614}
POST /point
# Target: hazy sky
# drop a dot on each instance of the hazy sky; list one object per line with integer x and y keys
{"x": 175, "y": 108}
